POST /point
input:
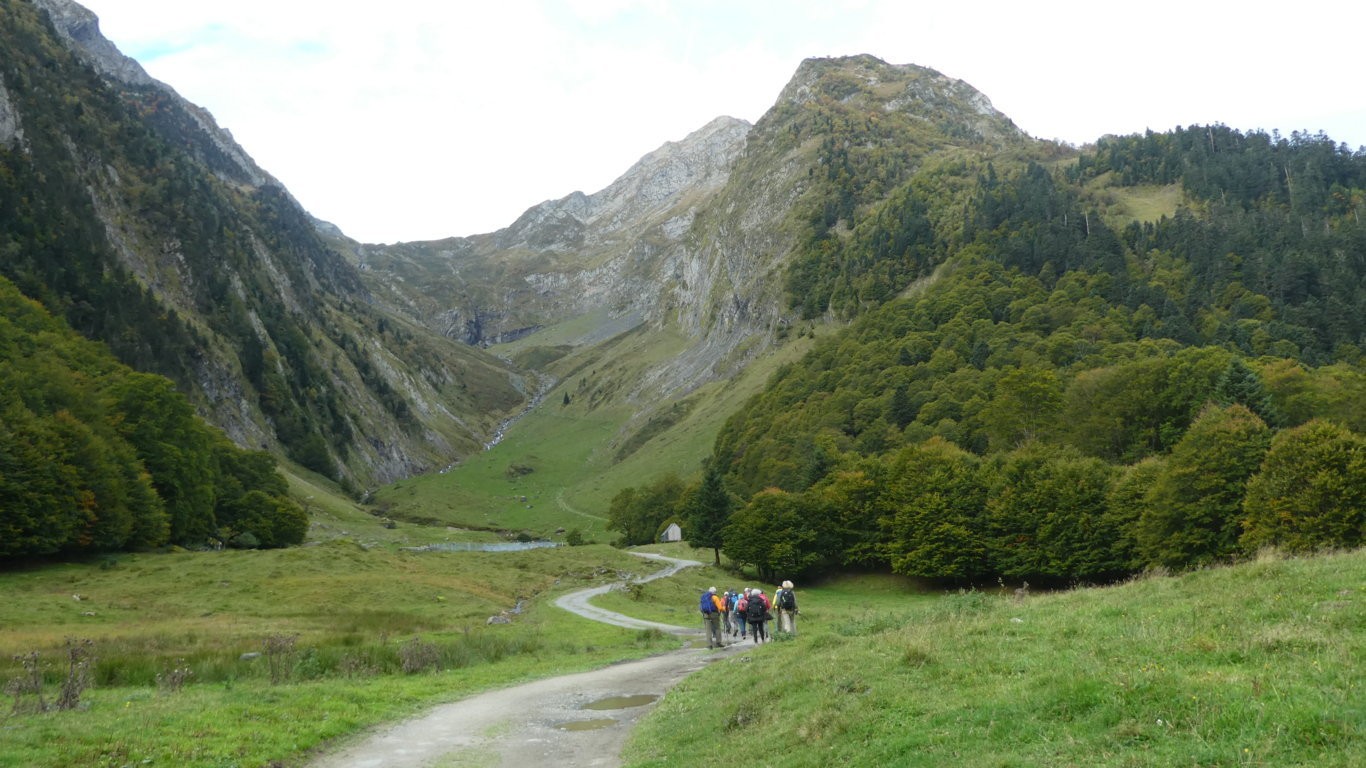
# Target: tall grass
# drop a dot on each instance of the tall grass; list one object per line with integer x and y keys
{"x": 1254, "y": 665}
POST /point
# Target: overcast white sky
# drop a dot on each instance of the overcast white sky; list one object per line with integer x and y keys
{"x": 422, "y": 119}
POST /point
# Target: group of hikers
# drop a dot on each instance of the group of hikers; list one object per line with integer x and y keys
{"x": 737, "y": 613}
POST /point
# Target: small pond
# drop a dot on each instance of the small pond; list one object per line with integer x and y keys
{"x": 474, "y": 546}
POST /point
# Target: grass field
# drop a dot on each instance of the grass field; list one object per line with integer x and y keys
{"x": 1258, "y": 664}
{"x": 260, "y": 658}
{"x": 1255, "y": 665}
{"x": 360, "y": 637}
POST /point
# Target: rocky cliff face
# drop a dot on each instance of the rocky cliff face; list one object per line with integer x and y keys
{"x": 564, "y": 257}
{"x": 11, "y": 133}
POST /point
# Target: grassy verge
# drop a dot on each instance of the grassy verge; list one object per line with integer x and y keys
{"x": 1255, "y": 665}
{"x": 346, "y": 638}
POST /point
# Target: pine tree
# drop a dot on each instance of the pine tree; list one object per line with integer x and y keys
{"x": 709, "y": 511}
{"x": 1240, "y": 384}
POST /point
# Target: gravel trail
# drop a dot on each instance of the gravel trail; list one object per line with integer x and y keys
{"x": 571, "y": 721}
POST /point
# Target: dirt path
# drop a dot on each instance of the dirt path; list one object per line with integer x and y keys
{"x": 566, "y": 506}
{"x": 572, "y": 720}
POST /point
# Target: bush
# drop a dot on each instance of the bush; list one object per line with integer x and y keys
{"x": 175, "y": 678}
{"x": 418, "y": 655}
{"x": 279, "y": 650}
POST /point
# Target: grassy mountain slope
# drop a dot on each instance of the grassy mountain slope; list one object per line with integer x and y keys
{"x": 561, "y": 463}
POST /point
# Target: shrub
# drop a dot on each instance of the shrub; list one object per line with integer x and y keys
{"x": 418, "y": 655}
{"x": 175, "y": 678}
{"x": 28, "y": 684}
{"x": 279, "y": 650}
{"x": 80, "y": 657}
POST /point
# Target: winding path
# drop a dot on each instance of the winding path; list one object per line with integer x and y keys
{"x": 542, "y": 723}
{"x": 577, "y": 602}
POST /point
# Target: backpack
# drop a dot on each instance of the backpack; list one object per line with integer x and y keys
{"x": 741, "y": 604}
{"x": 756, "y": 609}
{"x": 706, "y": 605}
{"x": 787, "y": 601}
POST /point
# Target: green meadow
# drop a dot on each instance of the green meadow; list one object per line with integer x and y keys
{"x": 1259, "y": 664}
{"x": 253, "y": 658}
{"x": 590, "y": 438}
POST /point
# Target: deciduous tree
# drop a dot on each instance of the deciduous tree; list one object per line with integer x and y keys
{"x": 1310, "y": 492}
{"x": 1192, "y": 514}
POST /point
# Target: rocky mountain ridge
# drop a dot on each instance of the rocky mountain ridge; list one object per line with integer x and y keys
{"x": 561, "y": 258}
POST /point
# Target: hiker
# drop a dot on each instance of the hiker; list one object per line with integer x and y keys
{"x": 736, "y": 618}
{"x": 711, "y": 606}
{"x": 731, "y": 599}
{"x": 757, "y": 612}
{"x": 786, "y": 603}
{"x": 741, "y": 603}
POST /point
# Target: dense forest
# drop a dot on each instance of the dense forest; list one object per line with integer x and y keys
{"x": 1055, "y": 389}
{"x": 95, "y": 457}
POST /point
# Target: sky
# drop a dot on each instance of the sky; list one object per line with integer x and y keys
{"x": 412, "y": 120}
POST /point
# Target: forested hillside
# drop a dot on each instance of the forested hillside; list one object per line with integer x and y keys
{"x": 95, "y": 457}
{"x": 1069, "y": 389}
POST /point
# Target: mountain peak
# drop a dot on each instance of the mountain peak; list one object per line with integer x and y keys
{"x": 867, "y": 82}
{"x": 81, "y": 26}
{"x": 653, "y": 186}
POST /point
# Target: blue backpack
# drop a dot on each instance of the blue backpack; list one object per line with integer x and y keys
{"x": 706, "y": 605}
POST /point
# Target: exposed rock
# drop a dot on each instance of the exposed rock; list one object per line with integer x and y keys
{"x": 695, "y": 237}
{"x": 11, "y": 132}
{"x": 81, "y": 26}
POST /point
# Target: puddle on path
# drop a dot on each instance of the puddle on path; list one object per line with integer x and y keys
{"x": 587, "y": 725}
{"x": 622, "y": 702}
